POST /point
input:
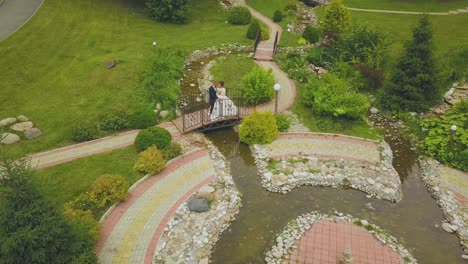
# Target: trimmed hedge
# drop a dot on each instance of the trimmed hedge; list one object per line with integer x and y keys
{"x": 172, "y": 151}
{"x": 150, "y": 161}
{"x": 258, "y": 128}
{"x": 253, "y": 29}
{"x": 277, "y": 16}
{"x": 84, "y": 131}
{"x": 239, "y": 15}
{"x": 311, "y": 34}
{"x": 157, "y": 136}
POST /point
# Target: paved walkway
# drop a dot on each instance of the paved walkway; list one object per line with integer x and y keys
{"x": 265, "y": 48}
{"x": 131, "y": 231}
{"x": 15, "y": 13}
{"x": 325, "y": 242}
{"x": 452, "y": 12}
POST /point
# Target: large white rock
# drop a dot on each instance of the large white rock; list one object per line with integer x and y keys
{"x": 163, "y": 113}
{"x": 32, "y": 133}
{"x": 7, "y": 121}
{"x": 374, "y": 110}
{"x": 23, "y": 126}
{"x": 447, "y": 227}
{"x": 22, "y": 118}
{"x": 9, "y": 138}
{"x": 207, "y": 189}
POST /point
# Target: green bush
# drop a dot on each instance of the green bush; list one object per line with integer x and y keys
{"x": 82, "y": 220}
{"x": 347, "y": 72}
{"x": 115, "y": 120}
{"x": 174, "y": 11}
{"x": 332, "y": 96}
{"x": 301, "y": 41}
{"x": 239, "y": 15}
{"x": 172, "y": 151}
{"x": 283, "y": 122}
{"x": 258, "y": 128}
{"x": 142, "y": 117}
{"x": 277, "y": 16}
{"x": 265, "y": 32}
{"x": 321, "y": 57}
{"x": 157, "y": 136}
{"x": 150, "y": 161}
{"x": 311, "y": 34}
{"x": 84, "y": 131}
{"x": 253, "y": 29}
{"x": 258, "y": 86}
{"x": 441, "y": 144}
{"x": 108, "y": 189}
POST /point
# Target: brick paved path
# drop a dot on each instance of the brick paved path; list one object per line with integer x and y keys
{"x": 325, "y": 242}
{"x": 14, "y": 14}
{"x": 131, "y": 231}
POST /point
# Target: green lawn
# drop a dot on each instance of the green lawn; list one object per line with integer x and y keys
{"x": 61, "y": 183}
{"x": 412, "y": 5}
{"x": 53, "y": 68}
{"x": 232, "y": 69}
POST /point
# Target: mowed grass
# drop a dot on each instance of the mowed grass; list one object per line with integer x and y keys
{"x": 412, "y": 5}
{"x": 61, "y": 183}
{"x": 53, "y": 69}
{"x": 232, "y": 69}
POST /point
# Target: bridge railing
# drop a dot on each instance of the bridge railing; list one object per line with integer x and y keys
{"x": 257, "y": 40}
{"x": 275, "y": 44}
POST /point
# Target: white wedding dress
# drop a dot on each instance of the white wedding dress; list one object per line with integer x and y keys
{"x": 223, "y": 107}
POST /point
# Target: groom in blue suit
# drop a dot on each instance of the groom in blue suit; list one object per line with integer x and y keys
{"x": 213, "y": 97}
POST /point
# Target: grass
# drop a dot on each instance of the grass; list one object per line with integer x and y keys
{"x": 53, "y": 68}
{"x": 61, "y": 183}
{"x": 231, "y": 70}
{"x": 413, "y": 5}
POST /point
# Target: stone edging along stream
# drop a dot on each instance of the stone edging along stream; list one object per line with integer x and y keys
{"x": 189, "y": 237}
{"x": 454, "y": 210}
{"x": 296, "y": 228}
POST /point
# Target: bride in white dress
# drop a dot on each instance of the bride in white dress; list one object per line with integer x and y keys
{"x": 224, "y": 106}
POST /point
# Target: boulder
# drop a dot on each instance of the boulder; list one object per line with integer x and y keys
{"x": 23, "y": 126}
{"x": 32, "y": 133}
{"x": 205, "y": 195}
{"x": 374, "y": 110}
{"x": 9, "y": 138}
{"x": 163, "y": 113}
{"x": 447, "y": 227}
{"x": 207, "y": 189}
{"x": 198, "y": 205}
{"x": 279, "y": 180}
{"x": 22, "y": 118}
{"x": 7, "y": 121}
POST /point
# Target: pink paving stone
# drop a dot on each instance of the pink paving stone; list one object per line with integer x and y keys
{"x": 325, "y": 242}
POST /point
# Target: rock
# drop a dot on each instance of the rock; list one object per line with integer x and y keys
{"x": 369, "y": 206}
{"x": 9, "y": 138}
{"x": 163, "y": 113}
{"x": 22, "y": 118}
{"x": 203, "y": 261}
{"x": 370, "y": 181}
{"x": 32, "y": 133}
{"x": 207, "y": 189}
{"x": 205, "y": 195}
{"x": 447, "y": 227}
{"x": 364, "y": 222}
{"x": 449, "y": 92}
{"x": 413, "y": 114}
{"x": 7, "y": 121}
{"x": 158, "y": 106}
{"x": 279, "y": 180}
{"x": 464, "y": 256}
{"x": 374, "y": 110}
{"x": 198, "y": 205}
{"x": 23, "y": 126}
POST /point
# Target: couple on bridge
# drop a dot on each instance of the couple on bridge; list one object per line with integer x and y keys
{"x": 220, "y": 104}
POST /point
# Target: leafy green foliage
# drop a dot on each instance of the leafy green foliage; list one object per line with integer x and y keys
{"x": 157, "y": 136}
{"x": 258, "y": 86}
{"x": 441, "y": 144}
{"x": 172, "y": 151}
{"x": 347, "y": 72}
{"x": 457, "y": 65}
{"x": 331, "y": 95}
{"x": 253, "y": 29}
{"x": 239, "y": 15}
{"x": 31, "y": 229}
{"x": 337, "y": 19}
{"x": 82, "y": 220}
{"x": 150, "y": 161}
{"x": 321, "y": 57}
{"x": 258, "y": 128}
{"x": 142, "y": 117}
{"x": 311, "y": 34}
{"x": 114, "y": 120}
{"x": 413, "y": 84}
{"x": 174, "y": 11}
{"x": 283, "y": 122}
{"x": 277, "y": 16}
{"x": 301, "y": 41}
{"x": 295, "y": 64}
{"x": 265, "y": 32}
{"x": 84, "y": 131}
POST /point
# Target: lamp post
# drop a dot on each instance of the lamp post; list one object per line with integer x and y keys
{"x": 289, "y": 32}
{"x": 277, "y": 88}
{"x": 453, "y": 129}
{"x": 154, "y": 45}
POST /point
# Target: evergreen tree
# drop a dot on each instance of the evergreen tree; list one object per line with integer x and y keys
{"x": 253, "y": 29}
{"x": 413, "y": 84}
{"x": 337, "y": 19}
{"x": 174, "y": 11}
{"x": 31, "y": 229}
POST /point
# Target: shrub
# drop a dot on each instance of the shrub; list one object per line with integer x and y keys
{"x": 253, "y": 29}
{"x": 108, "y": 189}
{"x": 283, "y": 122}
{"x": 311, "y": 34}
{"x": 258, "y": 128}
{"x": 301, "y": 41}
{"x": 157, "y": 136}
{"x": 142, "y": 117}
{"x": 84, "y": 131}
{"x": 239, "y": 15}
{"x": 82, "y": 202}
{"x": 374, "y": 78}
{"x": 172, "y": 151}
{"x": 265, "y": 32}
{"x": 82, "y": 220}
{"x": 150, "y": 161}
{"x": 277, "y": 16}
{"x": 320, "y": 57}
{"x": 175, "y": 11}
{"x": 347, "y": 72}
{"x": 115, "y": 120}
{"x": 337, "y": 19}
{"x": 258, "y": 86}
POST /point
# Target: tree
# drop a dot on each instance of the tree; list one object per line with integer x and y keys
{"x": 253, "y": 29}
{"x": 337, "y": 19}
{"x": 174, "y": 11}
{"x": 413, "y": 84}
{"x": 258, "y": 86}
{"x": 31, "y": 229}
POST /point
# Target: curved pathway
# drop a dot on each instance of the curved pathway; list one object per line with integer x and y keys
{"x": 15, "y": 13}
{"x": 131, "y": 231}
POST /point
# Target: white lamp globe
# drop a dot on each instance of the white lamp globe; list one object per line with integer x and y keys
{"x": 277, "y": 87}
{"x": 154, "y": 43}
{"x": 453, "y": 128}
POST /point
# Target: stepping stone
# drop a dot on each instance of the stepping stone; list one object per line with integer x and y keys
{"x": 32, "y": 133}
{"x": 23, "y": 118}
{"x": 23, "y": 126}
{"x": 9, "y": 138}
{"x": 7, "y": 121}
{"x": 198, "y": 205}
